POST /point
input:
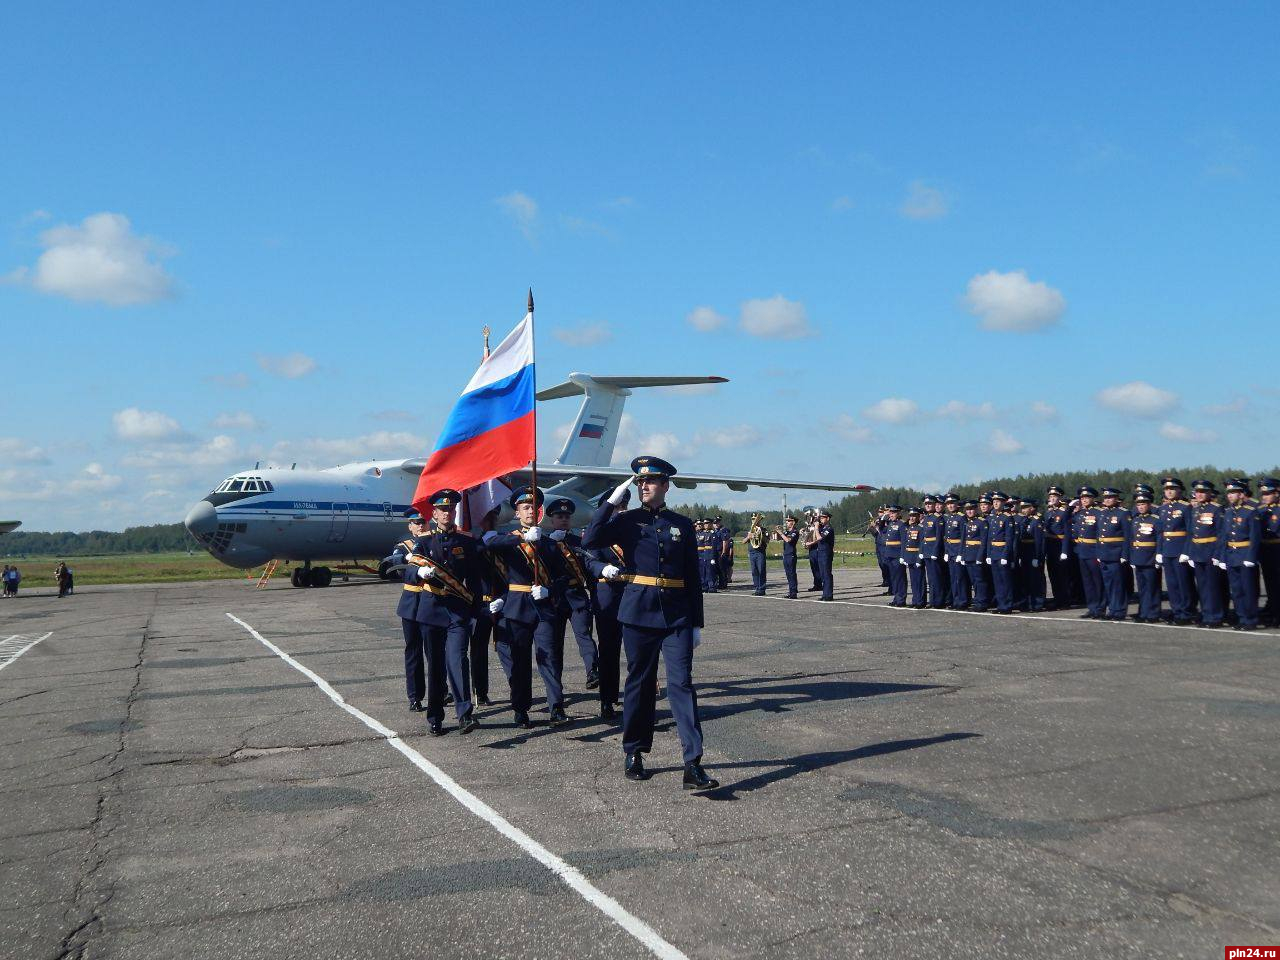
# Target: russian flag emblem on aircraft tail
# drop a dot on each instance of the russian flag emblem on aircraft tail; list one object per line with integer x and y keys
{"x": 491, "y": 429}
{"x": 592, "y": 431}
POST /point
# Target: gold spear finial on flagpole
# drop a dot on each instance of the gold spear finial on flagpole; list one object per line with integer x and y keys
{"x": 485, "y": 331}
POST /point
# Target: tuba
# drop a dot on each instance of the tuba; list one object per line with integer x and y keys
{"x": 755, "y": 536}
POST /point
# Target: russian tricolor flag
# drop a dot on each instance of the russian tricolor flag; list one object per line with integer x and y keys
{"x": 491, "y": 429}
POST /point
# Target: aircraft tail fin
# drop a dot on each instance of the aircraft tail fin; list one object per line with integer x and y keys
{"x": 595, "y": 430}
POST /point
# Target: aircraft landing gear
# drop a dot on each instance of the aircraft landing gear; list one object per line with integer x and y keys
{"x": 299, "y": 577}
{"x": 321, "y": 577}
{"x": 309, "y": 576}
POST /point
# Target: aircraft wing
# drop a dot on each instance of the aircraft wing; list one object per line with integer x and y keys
{"x": 8, "y": 525}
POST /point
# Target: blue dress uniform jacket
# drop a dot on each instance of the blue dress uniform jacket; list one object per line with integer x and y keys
{"x": 528, "y": 564}
{"x": 824, "y": 552}
{"x": 573, "y": 601}
{"x": 446, "y": 608}
{"x": 1203, "y": 533}
{"x": 1270, "y": 562}
{"x": 608, "y": 598}
{"x": 1056, "y": 523}
{"x": 1240, "y": 548}
{"x": 1112, "y": 552}
{"x": 415, "y": 661}
{"x": 1175, "y": 523}
{"x": 407, "y": 608}
{"x": 912, "y": 542}
{"x": 1082, "y": 542}
{"x": 1031, "y": 574}
{"x": 932, "y": 549}
{"x": 663, "y": 591}
{"x": 1144, "y": 548}
{"x": 530, "y": 624}
{"x": 894, "y": 533}
{"x": 953, "y": 552}
{"x": 789, "y": 540}
{"x": 1002, "y": 555}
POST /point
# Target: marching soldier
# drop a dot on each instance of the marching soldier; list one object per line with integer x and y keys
{"x": 1144, "y": 557}
{"x": 953, "y": 554}
{"x": 488, "y": 626}
{"x": 824, "y": 550}
{"x": 660, "y": 612}
{"x": 912, "y": 540}
{"x": 1201, "y": 552}
{"x": 1113, "y": 553}
{"x": 1031, "y": 552}
{"x": 529, "y": 611}
{"x": 1002, "y": 551}
{"x": 1082, "y": 542}
{"x": 790, "y": 536}
{"x": 447, "y": 564}
{"x": 573, "y": 599}
{"x": 1240, "y": 549}
{"x": 1179, "y": 578}
{"x": 415, "y": 679}
{"x": 975, "y": 556}
{"x": 1056, "y": 520}
{"x": 931, "y": 551}
{"x": 892, "y": 530}
{"x": 1269, "y": 514}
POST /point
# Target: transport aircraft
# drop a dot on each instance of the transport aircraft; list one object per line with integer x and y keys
{"x": 8, "y": 526}
{"x": 356, "y": 510}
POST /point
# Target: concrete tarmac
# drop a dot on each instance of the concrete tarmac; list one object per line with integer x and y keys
{"x": 894, "y": 782}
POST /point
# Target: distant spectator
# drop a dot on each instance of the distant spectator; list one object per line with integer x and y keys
{"x": 62, "y": 573}
{"x": 11, "y": 580}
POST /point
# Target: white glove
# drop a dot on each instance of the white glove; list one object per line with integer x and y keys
{"x": 495, "y": 606}
{"x": 1123, "y": 561}
{"x": 713, "y": 561}
{"x": 1250, "y": 563}
{"x": 1062, "y": 556}
{"x": 697, "y": 637}
{"x": 620, "y": 492}
{"x": 610, "y": 572}
{"x": 557, "y": 535}
{"x": 1004, "y": 562}
{"x": 532, "y": 535}
{"x": 1185, "y": 559}
{"x": 539, "y": 592}
{"x": 946, "y": 558}
{"x": 988, "y": 561}
{"x": 1035, "y": 562}
{"x": 1219, "y": 564}
{"x": 1159, "y": 560}
{"x": 489, "y": 537}
{"x": 426, "y": 571}
{"x": 902, "y": 561}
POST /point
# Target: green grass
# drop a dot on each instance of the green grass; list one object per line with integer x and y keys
{"x": 37, "y": 571}
{"x": 844, "y": 544}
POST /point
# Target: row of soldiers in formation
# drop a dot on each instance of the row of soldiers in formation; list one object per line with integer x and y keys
{"x": 634, "y": 575}
{"x": 996, "y": 551}
{"x": 715, "y": 553}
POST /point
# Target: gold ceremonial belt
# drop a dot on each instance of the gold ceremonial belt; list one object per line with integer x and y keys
{"x": 1272, "y": 540}
{"x": 997, "y": 543}
{"x": 930, "y": 539}
{"x": 1204, "y": 539}
{"x": 893, "y": 543}
{"x": 949, "y": 540}
{"x": 1028, "y": 540}
{"x": 973, "y": 543}
{"x": 1239, "y": 544}
{"x": 1144, "y": 543}
{"x": 433, "y": 589}
{"x": 413, "y": 589}
{"x": 1087, "y": 540}
{"x": 1113, "y": 539}
{"x": 1175, "y": 533}
{"x": 520, "y": 587}
{"x": 1053, "y": 536}
{"x": 666, "y": 582}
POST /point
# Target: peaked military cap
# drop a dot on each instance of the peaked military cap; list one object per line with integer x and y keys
{"x": 717, "y": 519}
{"x": 561, "y": 505}
{"x": 526, "y": 495}
{"x": 445, "y": 498}
{"x": 971, "y": 504}
{"x": 1057, "y": 489}
{"x": 1168, "y": 482}
{"x": 1142, "y": 497}
{"x": 1086, "y": 492}
{"x": 984, "y": 498}
{"x": 790, "y": 517}
{"x": 1111, "y": 492}
{"x": 951, "y": 498}
{"x": 929, "y": 499}
{"x": 1143, "y": 488}
{"x": 1238, "y": 485}
{"x": 914, "y": 509}
{"x": 1203, "y": 486}
{"x": 1268, "y": 485}
{"x": 413, "y": 515}
{"x": 1031, "y": 502}
{"x": 652, "y": 467}
{"x": 894, "y": 508}
{"x": 824, "y": 512}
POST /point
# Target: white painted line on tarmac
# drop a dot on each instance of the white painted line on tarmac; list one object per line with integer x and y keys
{"x": 1003, "y": 616}
{"x": 573, "y": 877}
{"x": 15, "y": 646}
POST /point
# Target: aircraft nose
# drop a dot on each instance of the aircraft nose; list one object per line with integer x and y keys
{"x": 202, "y": 520}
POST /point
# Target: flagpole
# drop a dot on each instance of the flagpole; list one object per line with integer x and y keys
{"x": 533, "y": 464}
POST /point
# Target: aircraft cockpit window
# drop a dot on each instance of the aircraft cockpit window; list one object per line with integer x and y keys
{"x": 235, "y": 486}
{"x": 268, "y": 486}
{"x": 251, "y": 486}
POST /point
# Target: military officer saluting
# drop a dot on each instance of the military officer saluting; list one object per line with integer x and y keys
{"x": 573, "y": 598}
{"x": 415, "y": 677}
{"x": 448, "y": 568}
{"x": 660, "y": 612}
{"x": 1144, "y": 555}
{"x": 529, "y": 610}
{"x": 1201, "y": 551}
{"x": 1175, "y": 524}
{"x": 1240, "y": 549}
{"x": 1269, "y": 516}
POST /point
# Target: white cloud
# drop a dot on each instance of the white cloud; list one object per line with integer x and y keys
{"x": 1002, "y": 442}
{"x": 730, "y": 438}
{"x": 240, "y": 420}
{"x": 13, "y": 450}
{"x": 328, "y": 452}
{"x": 842, "y": 204}
{"x": 706, "y": 319}
{"x": 1044, "y": 412}
{"x": 218, "y": 451}
{"x": 232, "y": 381}
{"x": 291, "y": 366}
{"x": 523, "y": 211}
{"x": 134, "y": 424}
{"x": 847, "y": 428}
{"x": 1231, "y": 408}
{"x": 960, "y": 411}
{"x": 93, "y": 479}
{"x": 1184, "y": 434}
{"x": 1137, "y": 399}
{"x": 584, "y": 334}
{"x": 1013, "y": 302}
{"x": 923, "y": 202}
{"x": 102, "y": 260}
{"x": 632, "y": 442}
{"x": 892, "y": 410}
{"x": 776, "y": 318}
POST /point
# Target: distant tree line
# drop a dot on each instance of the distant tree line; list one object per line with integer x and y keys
{"x": 157, "y": 538}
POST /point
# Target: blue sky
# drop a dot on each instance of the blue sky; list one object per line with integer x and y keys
{"x": 926, "y": 247}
